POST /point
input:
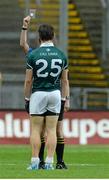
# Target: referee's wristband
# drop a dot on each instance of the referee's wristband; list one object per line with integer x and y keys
{"x": 23, "y": 28}
{"x": 67, "y": 97}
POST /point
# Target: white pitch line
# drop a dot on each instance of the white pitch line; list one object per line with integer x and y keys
{"x": 7, "y": 164}
{"x": 73, "y": 164}
{"x": 96, "y": 165}
{"x": 87, "y": 150}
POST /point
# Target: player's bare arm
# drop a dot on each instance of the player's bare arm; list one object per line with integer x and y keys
{"x": 65, "y": 88}
{"x": 28, "y": 83}
{"x": 23, "y": 36}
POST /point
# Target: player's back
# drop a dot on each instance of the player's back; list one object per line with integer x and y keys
{"x": 47, "y": 63}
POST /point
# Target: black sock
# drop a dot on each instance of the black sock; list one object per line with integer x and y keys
{"x": 60, "y": 149}
{"x": 41, "y": 153}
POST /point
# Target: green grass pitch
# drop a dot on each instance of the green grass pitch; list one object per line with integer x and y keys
{"x": 83, "y": 162}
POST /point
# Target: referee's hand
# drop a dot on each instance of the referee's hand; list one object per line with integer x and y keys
{"x": 27, "y": 102}
{"x": 26, "y": 21}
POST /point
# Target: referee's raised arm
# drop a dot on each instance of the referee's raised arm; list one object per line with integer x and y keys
{"x": 23, "y": 36}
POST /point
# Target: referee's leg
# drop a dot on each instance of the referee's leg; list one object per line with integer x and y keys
{"x": 60, "y": 140}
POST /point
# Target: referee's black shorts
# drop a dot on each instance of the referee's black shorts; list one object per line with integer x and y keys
{"x": 61, "y": 115}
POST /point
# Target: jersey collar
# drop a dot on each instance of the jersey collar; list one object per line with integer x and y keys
{"x": 46, "y": 44}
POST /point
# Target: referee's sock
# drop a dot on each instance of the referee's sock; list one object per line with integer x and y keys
{"x": 41, "y": 153}
{"x": 60, "y": 149}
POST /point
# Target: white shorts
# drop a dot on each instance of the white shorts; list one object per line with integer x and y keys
{"x": 41, "y": 102}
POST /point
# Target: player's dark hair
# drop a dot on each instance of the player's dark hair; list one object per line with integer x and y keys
{"x": 46, "y": 32}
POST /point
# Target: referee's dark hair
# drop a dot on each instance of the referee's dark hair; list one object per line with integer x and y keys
{"x": 46, "y": 32}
